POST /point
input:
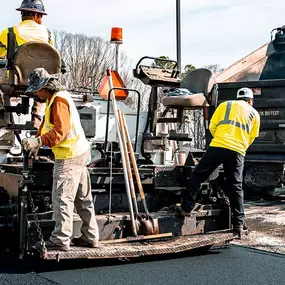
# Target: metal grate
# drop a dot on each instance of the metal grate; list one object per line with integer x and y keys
{"x": 165, "y": 176}
{"x": 42, "y": 179}
{"x": 135, "y": 249}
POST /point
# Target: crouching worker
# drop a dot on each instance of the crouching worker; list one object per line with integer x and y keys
{"x": 61, "y": 130}
{"x": 234, "y": 126}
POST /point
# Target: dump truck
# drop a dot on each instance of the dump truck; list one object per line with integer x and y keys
{"x": 262, "y": 71}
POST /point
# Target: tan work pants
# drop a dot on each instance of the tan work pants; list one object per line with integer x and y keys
{"x": 72, "y": 187}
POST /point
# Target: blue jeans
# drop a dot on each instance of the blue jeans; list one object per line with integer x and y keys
{"x": 233, "y": 163}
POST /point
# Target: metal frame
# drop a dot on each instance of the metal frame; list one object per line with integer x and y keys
{"x": 251, "y": 84}
{"x": 23, "y": 205}
{"x": 155, "y": 58}
{"x": 108, "y": 114}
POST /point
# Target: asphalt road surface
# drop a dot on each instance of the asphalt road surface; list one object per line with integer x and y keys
{"x": 231, "y": 265}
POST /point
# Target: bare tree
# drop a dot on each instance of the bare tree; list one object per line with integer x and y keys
{"x": 132, "y": 99}
{"x": 215, "y": 68}
{"x": 194, "y": 125}
{"x": 187, "y": 69}
{"x": 87, "y": 59}
{"x": 164, "y": 64}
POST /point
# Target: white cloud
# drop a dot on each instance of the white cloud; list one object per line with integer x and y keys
{"x": 220, "y": 31}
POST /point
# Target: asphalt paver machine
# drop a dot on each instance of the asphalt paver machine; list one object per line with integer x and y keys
{"x": 26, "y": 183}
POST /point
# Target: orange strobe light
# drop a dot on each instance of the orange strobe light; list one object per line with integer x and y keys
{"x": 117, "y": 35}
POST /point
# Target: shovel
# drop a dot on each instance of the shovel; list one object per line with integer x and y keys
{"x": 149, "y": 224}
{"x": 115, "y": 108}
{"x": 130, "y": 176}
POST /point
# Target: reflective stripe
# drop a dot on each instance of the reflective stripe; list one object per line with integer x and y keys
{"x": 226, "y": 120}
{"x": 49, "y": 36}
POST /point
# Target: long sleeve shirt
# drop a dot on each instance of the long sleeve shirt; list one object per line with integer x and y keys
{"x": 60, "y": 118}
{"x": 234, "y": 125}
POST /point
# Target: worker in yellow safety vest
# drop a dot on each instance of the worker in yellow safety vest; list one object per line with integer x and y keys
{"x": 234, "y": 126}
{"x": 61, "y": 131}
{"x": 30, "y": 29}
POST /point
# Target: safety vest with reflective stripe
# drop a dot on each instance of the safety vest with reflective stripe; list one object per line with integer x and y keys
{"x": 234, "y": 125}
{"x": 75, "y": 142}
{"x": 26, "y": 31}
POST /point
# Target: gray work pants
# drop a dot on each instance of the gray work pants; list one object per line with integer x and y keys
{"x": 72, "y": 188}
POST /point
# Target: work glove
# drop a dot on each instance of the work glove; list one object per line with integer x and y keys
{"x": 33, "y": 145}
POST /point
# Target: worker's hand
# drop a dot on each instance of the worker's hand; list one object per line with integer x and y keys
{"x": 32, "y": 144}
{"x": 36, "y": 123}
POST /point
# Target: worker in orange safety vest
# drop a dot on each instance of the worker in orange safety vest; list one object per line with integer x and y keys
{"x": 61, "y": 130}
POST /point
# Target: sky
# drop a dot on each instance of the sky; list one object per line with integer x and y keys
{"x": 213, "y": 31}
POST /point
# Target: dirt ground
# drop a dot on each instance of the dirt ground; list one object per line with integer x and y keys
{"x": 266, "y": 222}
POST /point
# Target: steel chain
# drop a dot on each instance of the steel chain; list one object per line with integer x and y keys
{"x": 36, "y": 219}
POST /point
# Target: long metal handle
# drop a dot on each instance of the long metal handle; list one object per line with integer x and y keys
{"x": 134, "y": 163}
{"x": 138, "y": 114}
{"x": 128, "y": 192}
{"x": 130, "y": 175}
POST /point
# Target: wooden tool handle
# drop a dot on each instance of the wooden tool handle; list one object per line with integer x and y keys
{"x": 133, "y": 159}
{"x": 129, "y": 170}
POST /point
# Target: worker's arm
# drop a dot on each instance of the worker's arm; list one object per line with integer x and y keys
{"x": 3, "y": 43}
{"x": 36, "y": 114}
{"x": 255, "y": 128}
{"x": 60, "y": 117}
{"x": 40, "y": 128}
{"x": 212, "y": 128}
{"x": 215, "y": 120}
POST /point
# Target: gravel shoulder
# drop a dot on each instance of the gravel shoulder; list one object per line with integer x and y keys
{"x": 266, "y": 222}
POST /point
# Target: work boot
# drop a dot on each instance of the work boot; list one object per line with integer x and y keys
{"x": 245, "y": 226}
{"x": 187, "y": 203}
{"x": 83, "y": 243}
{"x": 239, "y": 230}
{"x": 50, "y": 246}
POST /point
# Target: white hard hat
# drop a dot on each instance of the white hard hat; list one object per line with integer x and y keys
{"x": 245, "y": 93}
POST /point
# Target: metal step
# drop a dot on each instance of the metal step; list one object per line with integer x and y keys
{"x": 137, "y": 249}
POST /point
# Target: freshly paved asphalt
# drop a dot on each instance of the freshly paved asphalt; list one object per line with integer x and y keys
{"x": 232, "y": 265}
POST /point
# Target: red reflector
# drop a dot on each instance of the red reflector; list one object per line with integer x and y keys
{"x": 117, "y": 82}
